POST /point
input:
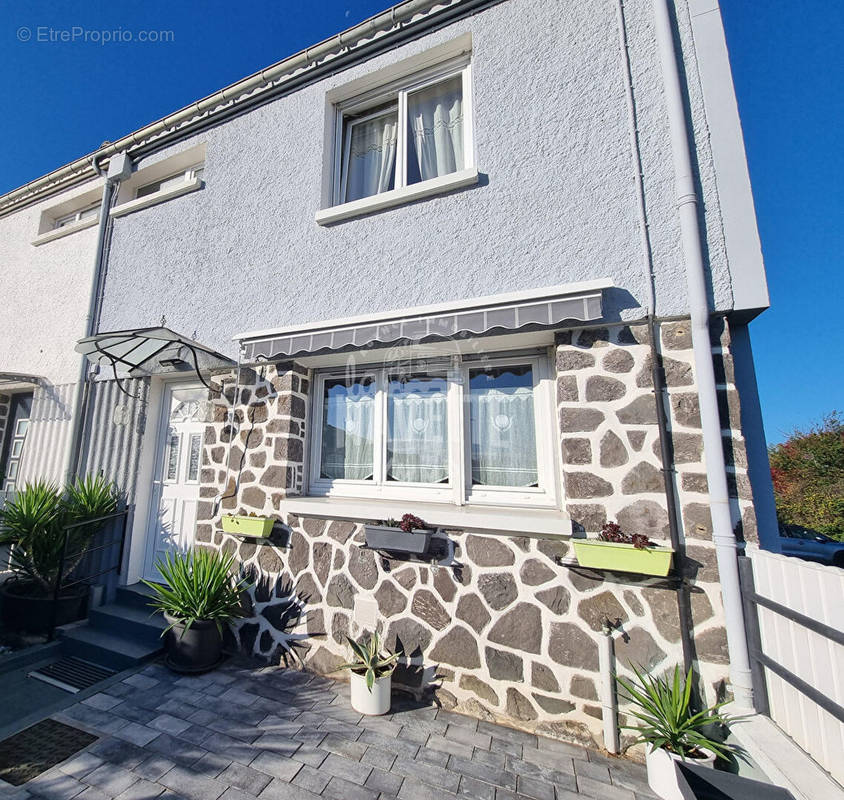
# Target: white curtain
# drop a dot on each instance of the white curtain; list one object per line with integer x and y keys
{"x": 347, "y": 432}
{"x": 503, "y": 437}
{"x": 418, "y": 445}
{"x": 435, "y": 130}
{"x": 372, "y": 157}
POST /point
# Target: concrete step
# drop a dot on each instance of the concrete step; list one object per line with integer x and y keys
{"x": 136, "y": 595}
{"x": 106, "y": 648}
{"x": 144, "y": 625}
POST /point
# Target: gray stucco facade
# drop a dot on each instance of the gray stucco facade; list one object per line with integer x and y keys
{"x": 556, "y": 201}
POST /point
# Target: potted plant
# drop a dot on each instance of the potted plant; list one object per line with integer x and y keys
{"x": 248, "y": 525}
{"x": 371, "y": 675}
{"x": 45, "y": 550}
{"x": 622, "y": 552}
{"x": 408, "y": 535}
{"x": 201, "y": 596}
{"x": 671, "y": 728}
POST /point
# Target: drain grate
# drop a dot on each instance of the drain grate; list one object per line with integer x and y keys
{"x": 34, "y": 750}
{"x": 71, "y": 674}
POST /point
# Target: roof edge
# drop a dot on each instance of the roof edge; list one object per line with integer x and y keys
{"x": 393, "y": 20}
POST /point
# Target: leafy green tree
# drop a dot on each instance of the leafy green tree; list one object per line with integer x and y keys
{"x": 808, "y": 475}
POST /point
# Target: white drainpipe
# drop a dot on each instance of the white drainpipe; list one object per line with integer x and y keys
{"x": 719, "y": 505}
{"x": 609, "y": 701}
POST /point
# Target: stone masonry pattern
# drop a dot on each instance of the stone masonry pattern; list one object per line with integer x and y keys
{"x": 497, "y": 629}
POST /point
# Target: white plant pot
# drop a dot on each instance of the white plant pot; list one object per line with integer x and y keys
{"x": 662, "y": 777}
{"x": 374, "y": 703}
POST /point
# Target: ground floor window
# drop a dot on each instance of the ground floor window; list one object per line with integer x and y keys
{"x": 473, "y": 430}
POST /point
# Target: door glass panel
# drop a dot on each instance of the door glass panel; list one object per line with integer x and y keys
{"x": 502, "y": 423}
{"x": 417, "y": 442}
{"x": 173, "y": 440}
{"x": 193, "y": 461}
{"x": 348, "y": 428}
{"x": 17, "y": 446}
{"x": 22, "y": 427}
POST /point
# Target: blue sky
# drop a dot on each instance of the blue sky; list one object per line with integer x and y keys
{"x": 63, "y": 99}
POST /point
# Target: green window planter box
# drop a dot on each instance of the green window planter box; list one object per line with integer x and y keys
{"x": 256, "y": 527}
{"x": 623, "y": 557}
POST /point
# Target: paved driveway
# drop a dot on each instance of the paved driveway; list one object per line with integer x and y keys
{"x": 243, "y": 732}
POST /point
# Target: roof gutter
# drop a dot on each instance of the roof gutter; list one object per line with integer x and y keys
{"x": 716, "y": 473}
{"x": 384, "y": 26}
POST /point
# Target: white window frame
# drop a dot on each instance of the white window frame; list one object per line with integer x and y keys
{"x": 458, "y": 490}
{"x": 397, "y": 91}
{"x": 188, "y": 176}
{"x": 75, "y": 217}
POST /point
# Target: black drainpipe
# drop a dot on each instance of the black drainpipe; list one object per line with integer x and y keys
{"x": 666, "y": 448}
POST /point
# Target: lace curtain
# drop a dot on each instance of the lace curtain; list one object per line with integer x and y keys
{"x": 418, "y": 431}
{"x": 435, "y": 130}
{"x": 372, "y": 157}
{"x": 347, "y": 430}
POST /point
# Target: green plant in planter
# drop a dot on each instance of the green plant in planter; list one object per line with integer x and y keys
{"x": 201, "y": 586}
{"x": 370, "y": 662}
{"x": 34, "y": 523}
{"x": 666, "y": 716}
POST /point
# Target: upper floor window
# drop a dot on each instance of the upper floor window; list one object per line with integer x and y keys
{"x": 477, "y": 431}
{"x": 404, "y": 134}
{"x": 76, "y": 216}
{"x": 171, "y": 181}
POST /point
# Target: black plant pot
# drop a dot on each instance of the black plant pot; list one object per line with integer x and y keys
{"x": 395, "y": 540}
{"x": 27, "y": 608}
{"x": 197, "y": 649}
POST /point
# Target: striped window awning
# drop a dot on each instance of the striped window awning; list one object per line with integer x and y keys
{"x": 535, "y": 309}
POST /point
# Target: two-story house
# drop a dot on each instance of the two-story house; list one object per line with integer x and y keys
{"x": 489, "y": 263}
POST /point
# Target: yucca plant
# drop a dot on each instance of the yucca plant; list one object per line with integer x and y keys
{"x": 667, "y": 719}
{"x": 201, "y": 586}
{"x": 370, "y": 663}
{"x": 36, "y": 522}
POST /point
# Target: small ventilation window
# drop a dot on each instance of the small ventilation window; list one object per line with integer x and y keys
{"x": 171, "y": 181}
{"x": 76, "y": 216}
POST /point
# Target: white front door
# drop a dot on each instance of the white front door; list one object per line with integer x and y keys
{"x": 175, "y": 483}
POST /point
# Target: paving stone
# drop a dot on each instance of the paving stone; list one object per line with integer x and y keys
{"x": 311, "y": 779}
{"x": 400, "y": 747}
{"x": 111, "y": 778}
{"x": 178, "y": 750}
{"x": 139, "y": 735}
{"x": 341, "y": 789}
{"x": 535, "y": 787}
{"x": 310, "y": 755}
{"x": 140, "y": 681}
{"x": 275, "y": 765}
{"x": 192, "y": 785}
{"x": 101, "y": 701}
{"x": 413, "y": 790}
{"x": 449, "y": 746}
{"x": 246, "y": 778}
{"x": 55, "y": 785}
{"x": 281, "y": 790}
{"x": 81, "y": 765}
{"x": 211, "y": 765}
{"x": 347, "y": 768}
{"x": 602, "y": 791}
{"x": 587, "y": 769}
{"x": 427, "y": 773}
{"x": 478, "y": 790}
{"x": 376, "y": 757}
{"x": 343, "y": 747}
{"x": 134, "y": 714}
{"x": 154, "y": 767}
{"x": 142, "y": 790}
{"x": 93, "y": 793}
{"x": 236, "y": 794}
{"x": 278, "y": 743}
{"x": 386, "y": 782}
{"x": 476, "y": 769}
{"x": 462, "y": 734}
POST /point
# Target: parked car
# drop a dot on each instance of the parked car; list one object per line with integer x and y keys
{"x": 795, "y": 540}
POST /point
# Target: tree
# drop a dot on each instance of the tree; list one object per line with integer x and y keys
{"x": 808, "y": 474}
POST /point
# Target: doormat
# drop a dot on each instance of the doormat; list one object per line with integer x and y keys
{"x": 34, "y": 750}
{"x": 71, "y": 674}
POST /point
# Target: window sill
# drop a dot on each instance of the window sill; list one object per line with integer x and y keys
{"x": 397, "y": 197}
{"x": 157, "y": 197}
{"x": 530, "y": 522}
{"x": 51, "y": 236}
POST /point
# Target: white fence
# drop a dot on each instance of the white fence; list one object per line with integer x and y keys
{"x": 802, "y": 652}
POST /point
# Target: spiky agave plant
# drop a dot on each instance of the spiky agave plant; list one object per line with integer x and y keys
{"x": 36, "y": 521}
{"x": 370, "y": 663}
{"x": 667, "y": 719}
{"x": 200, "y": 586}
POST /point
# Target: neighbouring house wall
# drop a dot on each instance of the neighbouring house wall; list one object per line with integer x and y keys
{"x": 497, "y": 629}
{"x": 556, "y": 202}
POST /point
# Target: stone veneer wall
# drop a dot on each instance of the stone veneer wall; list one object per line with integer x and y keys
{"x": 498, "y": 629}
{"x": 5, "y": 405}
